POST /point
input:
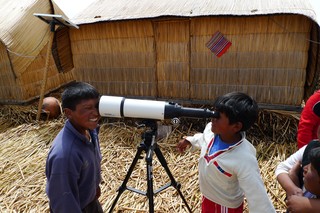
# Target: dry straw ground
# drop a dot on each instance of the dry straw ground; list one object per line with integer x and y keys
{"x": 24, "y": 145}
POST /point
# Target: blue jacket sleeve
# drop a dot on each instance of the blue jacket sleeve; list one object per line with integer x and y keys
{"x": 63, "y": 191}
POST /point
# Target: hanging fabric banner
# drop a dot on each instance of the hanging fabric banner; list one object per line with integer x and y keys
{"x": 218, "y": 44}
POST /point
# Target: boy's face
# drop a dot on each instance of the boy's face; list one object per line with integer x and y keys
{"x": 223, "y": 127}
{"x": 85, "y": 116}
{"x": 311, "y": 179}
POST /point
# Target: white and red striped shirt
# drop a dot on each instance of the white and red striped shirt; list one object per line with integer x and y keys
{"x": 229, "y": 175}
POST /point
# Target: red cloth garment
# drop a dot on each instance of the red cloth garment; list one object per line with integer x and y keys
{"x": 208, "y": 206}
{"x": 309, "y": 122}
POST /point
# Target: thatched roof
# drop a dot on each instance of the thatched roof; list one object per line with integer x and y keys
{"x": 21, "y": 33}
{"x": 109, "y": 10}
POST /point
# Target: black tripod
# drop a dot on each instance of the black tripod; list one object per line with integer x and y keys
{"x": 149, "y": 145}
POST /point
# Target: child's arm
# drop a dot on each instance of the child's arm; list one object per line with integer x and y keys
{"x": 183, "y": 145}
{"x": 288, "y": 185}
{"x": 301, "y": 204}
{"x": 294, "y": 173}
{"x": 246, "y": 171}
{"x": 197, "y": 141}
{"x": 254, "y": 189}
{"x": 285, "y": 171}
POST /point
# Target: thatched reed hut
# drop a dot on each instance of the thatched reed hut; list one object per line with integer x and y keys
{"x": 22, "y": 52}
{"x": 157, "y": 50}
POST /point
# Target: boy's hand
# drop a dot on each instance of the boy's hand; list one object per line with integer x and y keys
{"x": 296, "y": 203}
{"x": 183, "y": 145}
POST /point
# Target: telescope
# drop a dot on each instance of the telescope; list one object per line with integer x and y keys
{"x": 118, "y": 107}
{"x": 150, "y": 110}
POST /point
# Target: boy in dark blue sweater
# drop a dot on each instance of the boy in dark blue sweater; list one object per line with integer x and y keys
{"x": 73, "y": 167}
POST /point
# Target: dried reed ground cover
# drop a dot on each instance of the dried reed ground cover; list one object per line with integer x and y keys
{"x": 24, "y": 145}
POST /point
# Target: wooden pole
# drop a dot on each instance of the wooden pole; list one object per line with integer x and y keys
{"x": 45, "y": 74}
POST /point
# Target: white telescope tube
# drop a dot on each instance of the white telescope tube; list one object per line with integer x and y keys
{"x": 118, "y": 107}
{"x": 114, "y": 106}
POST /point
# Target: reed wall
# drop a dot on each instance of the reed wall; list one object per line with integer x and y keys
{"x": 167, "y": 58}
{"x": 271, "y": 59}
{"x": 117, "y": 57}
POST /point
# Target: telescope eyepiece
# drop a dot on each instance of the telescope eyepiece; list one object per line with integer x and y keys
{"x": 215, "y": 114}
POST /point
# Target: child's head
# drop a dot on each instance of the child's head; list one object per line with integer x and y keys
{"x": 238, "y": 107}
{"x": 80, "y": 104}
{"x": 51, "y": 108}
{"x": 312, "y": 172}
{"x": 77, "y": 92}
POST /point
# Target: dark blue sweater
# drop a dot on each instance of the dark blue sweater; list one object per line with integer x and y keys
{"x": 73, "y": 170}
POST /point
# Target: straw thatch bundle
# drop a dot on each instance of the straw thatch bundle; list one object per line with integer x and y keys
{"x": 24, "y": 145}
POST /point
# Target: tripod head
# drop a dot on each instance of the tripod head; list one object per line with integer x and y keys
{"x": 151, "y": 130}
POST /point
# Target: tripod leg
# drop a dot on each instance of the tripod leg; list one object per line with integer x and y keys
{"x": 123, "y": 186}
{"x": 150, "y": 179}
{"x": 176, "y": 185}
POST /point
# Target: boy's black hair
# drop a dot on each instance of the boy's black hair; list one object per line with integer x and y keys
{"x": 311, "y": 145}
{"x": 314, "y": 157}
{"x": 238, "y": 107}
{"x": 305, "y": 158}
{"x": 77, "y": 92}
